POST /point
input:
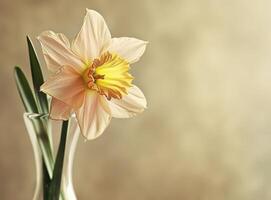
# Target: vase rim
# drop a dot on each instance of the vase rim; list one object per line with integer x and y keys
{"x": 33, "y": 115}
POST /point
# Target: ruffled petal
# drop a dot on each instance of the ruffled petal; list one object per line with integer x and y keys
{"x": 67, "y": 86}
{"x": 93, "y": 117}
{"x": 92, "y": 38}
{"x": 131, "y": 49}
{"x": 57, "y": 52}
{"x": 130, "y": 105}
{"x": 59, "y": 110}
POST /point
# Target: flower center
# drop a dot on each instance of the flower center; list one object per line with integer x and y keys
{"x": 109, "y": 76}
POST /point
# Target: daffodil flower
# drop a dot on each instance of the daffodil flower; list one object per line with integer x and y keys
{"x": 91, "y": 75}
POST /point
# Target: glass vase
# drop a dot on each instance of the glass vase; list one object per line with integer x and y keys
{"x": 39, "y": 128}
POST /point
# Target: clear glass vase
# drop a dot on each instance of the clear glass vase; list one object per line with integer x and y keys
{"x": 39, "y": 128}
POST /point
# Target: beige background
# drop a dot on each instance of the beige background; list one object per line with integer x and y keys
{"x": 206, "y": 74}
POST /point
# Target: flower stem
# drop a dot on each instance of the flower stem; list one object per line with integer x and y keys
{"x": 55, "y": 185}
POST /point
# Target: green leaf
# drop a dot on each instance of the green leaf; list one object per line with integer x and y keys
{"x": 41, "y": 98}
{"x": 37, "y": 77}
{"x": 58, "y": 167}
{"x": 30, "y": 105}
{"x": 25, "y": 91}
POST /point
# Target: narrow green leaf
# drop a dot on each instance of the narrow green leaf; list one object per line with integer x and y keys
{"x": 25, "y": 91}
{"x": 44, "y": 142}
{"x": 30, "y": 105}
{"x": 37, "y": 77}
{"x": 58, "y": 167}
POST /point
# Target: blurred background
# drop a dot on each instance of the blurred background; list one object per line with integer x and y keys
{"x": 206, "y": 74}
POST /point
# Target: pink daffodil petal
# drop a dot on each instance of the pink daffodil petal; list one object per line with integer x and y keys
{"x": 93, "y": 117}
{"x": 64, "y": 39}
{"x": 131, "y": 49}
{"x": 57, "y": 52}
{"x": 93, "y": 36}
{"x": 67, "y": 86}
{"x": 59, "y": 110}
{"x": 130, "y": 105}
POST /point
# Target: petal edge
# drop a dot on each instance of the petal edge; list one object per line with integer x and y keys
{"x": 92, "y": 117}
{"x": 93, "y": 36}
{"x": 56, "y": 48}
{"x": 59, "y": 110}
{"x": 130, "y": 49}
{"x": 130, "y": 105}
{"x": 67, "y": 86}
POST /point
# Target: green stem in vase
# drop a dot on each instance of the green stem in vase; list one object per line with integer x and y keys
{"x": 55, "y": 185}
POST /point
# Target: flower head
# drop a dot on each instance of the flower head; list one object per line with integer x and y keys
{"x": 91, "y": 75}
